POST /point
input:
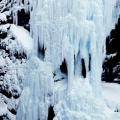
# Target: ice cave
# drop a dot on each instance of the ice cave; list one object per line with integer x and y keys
{"x": 59, "y": 60}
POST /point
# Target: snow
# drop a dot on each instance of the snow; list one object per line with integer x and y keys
{"x": 111, "y": 55}
{"x": 23, "y": 37}
{"x": 3, "y": 108}
{"x": 3, "y": 17}
{"x": 111, "y": 94}
{"x": 90, "y": 109}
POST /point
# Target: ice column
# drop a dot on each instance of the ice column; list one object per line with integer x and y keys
{"x": 38, "y": 91}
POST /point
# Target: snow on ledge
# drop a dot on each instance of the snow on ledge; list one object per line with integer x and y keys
{"x": 111, "y": 93}
{"x": 23, "y": 37}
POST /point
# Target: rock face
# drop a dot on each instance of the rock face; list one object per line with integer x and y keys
{"x": 111, "y": 65}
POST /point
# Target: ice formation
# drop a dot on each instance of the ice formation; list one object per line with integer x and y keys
{"x": 70, "y": 32}
{"x": 18, "y": 5}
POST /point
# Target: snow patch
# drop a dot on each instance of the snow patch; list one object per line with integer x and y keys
{"x": 23, "y": 37}
{"x": 111, "y": 92}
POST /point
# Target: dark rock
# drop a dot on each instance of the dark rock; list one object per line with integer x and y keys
{"x": 3, "y": 35}
{"x": 63, "y": 67}
{"x": 83, "y": 68}
{"x": 111, "y": 64}
{"x": 51, "y": 113}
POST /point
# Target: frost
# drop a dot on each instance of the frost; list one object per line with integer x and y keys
{"x": 3, "y": 105}
{"x": 3, "y": 17}
{"x": 111, "y": 94}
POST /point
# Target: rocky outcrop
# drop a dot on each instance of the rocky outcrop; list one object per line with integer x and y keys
{"x": 111, "y": 65}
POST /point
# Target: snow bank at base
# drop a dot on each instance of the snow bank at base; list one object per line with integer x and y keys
{"x": 111, "y": 92}
{"x": 23, "y": 37}
{"x": 83, "y": 106}
{"x": 86, "y": 106}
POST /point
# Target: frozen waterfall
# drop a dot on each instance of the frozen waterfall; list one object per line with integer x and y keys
{"x": 71, "y": 32}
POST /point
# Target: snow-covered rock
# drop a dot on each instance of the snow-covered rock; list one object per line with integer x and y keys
{"x": 13, "y": 55}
